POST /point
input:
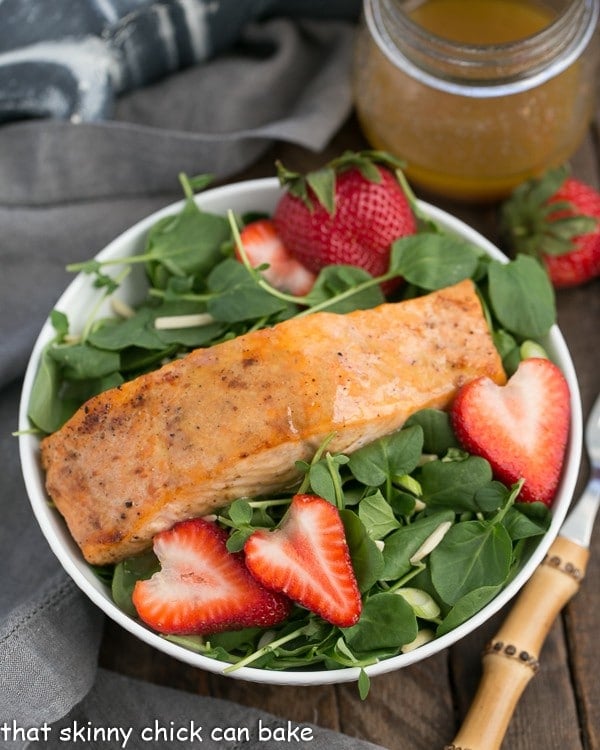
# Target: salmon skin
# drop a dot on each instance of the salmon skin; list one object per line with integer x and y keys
{"x": 231, "y": 420}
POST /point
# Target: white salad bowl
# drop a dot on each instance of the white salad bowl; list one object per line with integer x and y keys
{"x": 77, "y": 301}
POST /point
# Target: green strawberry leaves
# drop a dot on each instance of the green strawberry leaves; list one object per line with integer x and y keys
{"x": 534, "y": 223}
{"x": 322, "y": 181}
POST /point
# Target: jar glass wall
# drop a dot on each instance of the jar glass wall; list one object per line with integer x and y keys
{"x": 476, "y": 95}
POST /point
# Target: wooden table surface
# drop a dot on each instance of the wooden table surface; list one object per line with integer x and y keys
{"x": 420, "y": 707}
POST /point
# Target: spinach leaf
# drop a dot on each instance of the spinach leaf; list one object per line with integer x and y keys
{"x": 433, "y": 260}
{"x": 387, "y": 621}
{"x": 379, "y": 462}
{"x": 438, "y": 435}
{"x": 84, "y": 361}
{"x": 522, "y": 296}
{"x": 473, "y": 554}
{"x": 116, "y": 334}
{"x": 185, "y": 243}
{"x": 377, "y": 515}
{"x": 367, "y": 558}
{"x": 454, "y": 483}
{"x": 47, "y": 411}
{"x": 401, "y": 545}
{"x": 127, "y": 572}
{"x": 524, "y": 520}
{"x": 237, "y": 295}
{"x": 466, "y": 607}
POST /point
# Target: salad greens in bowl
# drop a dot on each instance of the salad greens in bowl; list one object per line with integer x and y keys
{"x": 437, "y": 543}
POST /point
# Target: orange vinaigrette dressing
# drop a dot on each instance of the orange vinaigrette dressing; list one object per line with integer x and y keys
{"x": 465, "y": 147}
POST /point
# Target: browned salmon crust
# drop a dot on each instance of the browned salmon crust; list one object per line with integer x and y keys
{"x": 231, "y": 420}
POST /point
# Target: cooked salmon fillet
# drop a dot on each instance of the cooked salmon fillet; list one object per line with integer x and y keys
{"x": 231, "y": 420}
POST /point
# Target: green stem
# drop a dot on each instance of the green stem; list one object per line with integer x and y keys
{"x": 266, "y": 649}
{"x": 315, "y": 459}
{"x": 405, "y": 579}
{"x": 187, "y": 297}
{"x": 268, "y": 503}
{"x": 499, "y": 517}
{"x": 305, "y": 300}
{"x": 132, "y": 259}
{"x": 186, "y": 186}
{"x": 92, "y": 316}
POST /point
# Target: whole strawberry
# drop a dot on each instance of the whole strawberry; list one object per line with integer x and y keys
{"x": 347, "y": 213}
{"x": 557, "y": 219}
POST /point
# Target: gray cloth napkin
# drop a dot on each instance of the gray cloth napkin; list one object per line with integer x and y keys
{"x": 65, "y": 191}
{"x": 69, "y": 59}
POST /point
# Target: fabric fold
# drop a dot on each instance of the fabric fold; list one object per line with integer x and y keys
{"x": 69, "y": 187}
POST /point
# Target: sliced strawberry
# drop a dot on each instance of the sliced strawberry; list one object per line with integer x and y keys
{"x": 262, "y": 244}
{"x": 201, "y": 587}
{"x": 307, "y": 558}
{"x": 521, "y": 428}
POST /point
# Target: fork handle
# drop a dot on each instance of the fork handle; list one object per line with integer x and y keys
{"x": 510, "y": 660}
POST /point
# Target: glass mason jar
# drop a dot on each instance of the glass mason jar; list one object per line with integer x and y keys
{"x": 476, "y": 95}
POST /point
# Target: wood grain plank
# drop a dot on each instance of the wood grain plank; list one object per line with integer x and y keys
{"x": 410, "y": 709}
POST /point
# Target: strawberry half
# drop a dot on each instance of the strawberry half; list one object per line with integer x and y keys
{"x": 307, "y": 558}
{"x": 262, "y": 245}
{"x": 521, "y": 428}
{"x": 557, "y": 219}
{"x": 350, "y": 212}
{"x": 202, "y": 588}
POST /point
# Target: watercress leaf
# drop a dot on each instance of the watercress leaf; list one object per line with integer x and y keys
{"x": 387, "y": 621}
{"x": 522, "y": 521}
{"x": 367, "y": 558}
{"x": 364, "y": 684}
{"x": 237, "y": 538}
{"x": 471, "y": 555}
{"x": 401, "y": 545}
{"x": 325, "y": 479}
{"x": 438, "y": 435}
{"x": 198, "y": 182}
{"x": 240, "y": 512}
{"x": 454, "y": 483}
{"x": 392, "y": 455}
{"x": 60, "y": 323}
{"x": 377, "y": 515}
{"x": 522, "y": 296}
{"x": 466, "y": 607}
{"x": 188, "y": 242}
{"x": 46, "y": 410}
{"x": 335, "y": 279}
{"x": 127, "y": 572}
{"x": 83, "y": 361}
{"x": 433, "y": 260}
{"x": 238, "y": 295}
{"x": 490, "y": 497}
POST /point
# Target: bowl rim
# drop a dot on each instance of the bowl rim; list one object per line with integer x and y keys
{"x": 64, "y": 548}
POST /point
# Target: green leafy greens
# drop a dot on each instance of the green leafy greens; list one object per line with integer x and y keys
{"x": 416, "y": 509}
